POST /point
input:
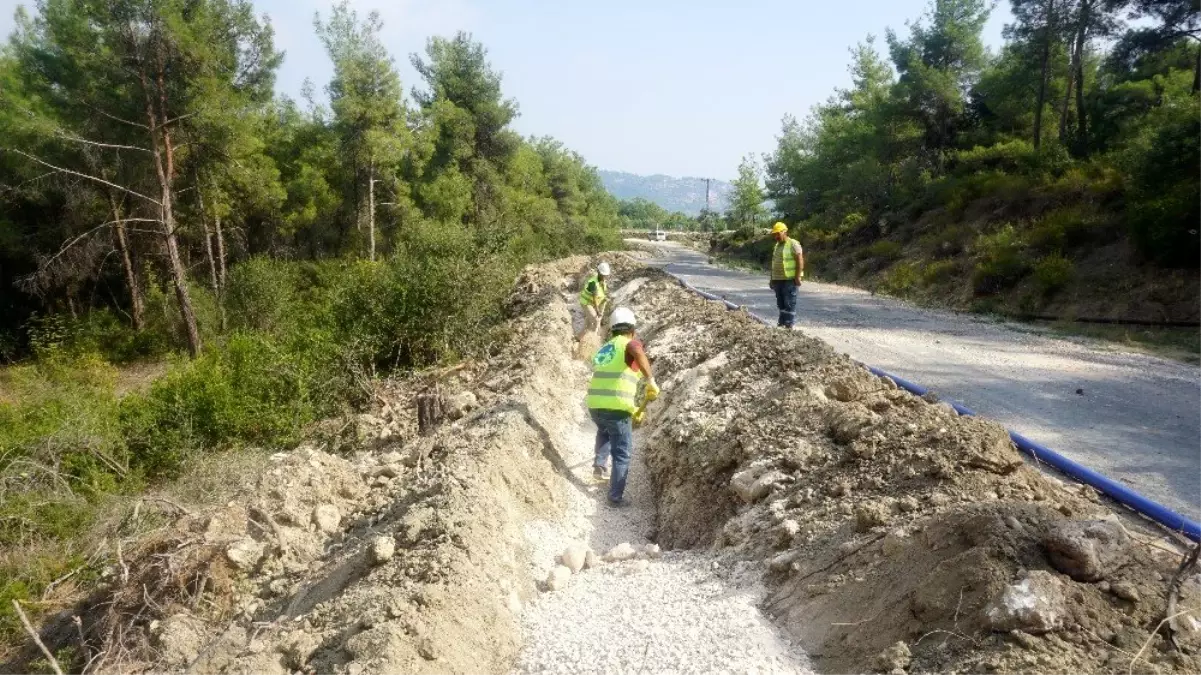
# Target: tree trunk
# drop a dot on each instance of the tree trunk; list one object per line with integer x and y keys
{"x": 220, "y": 252}
{"x": 1197, "y": 73}
{"x": 1078, "y": 63}
{"x": 208, "y": 241}
{"x": 371, "y": 209}
{"x": 1048, "y": 29}
{"x": 164, "y": 168}
{"x": 1066, "y": 108}
{"x": 136, "y": 304}
{"x": 220, "y": 271}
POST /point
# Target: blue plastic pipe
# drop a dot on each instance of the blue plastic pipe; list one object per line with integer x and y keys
{"x": 1107, "y": 486}
{"x": 1115, "y": 490}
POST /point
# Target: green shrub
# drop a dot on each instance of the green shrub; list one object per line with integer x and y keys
{"x": 253, "y": 388}
{"x": 1002, "y": 261}
{"x": 260, "y": 294}
{"x": 1065, "y": 228}
{"x": 883, "y": 251}
{"x": 1012, "y": 156}
{"x": 1162, "y": 162}
{"x": 901, "y": 279}
{"x": 939, "y": 271}
{"x": 1052, "y": 273}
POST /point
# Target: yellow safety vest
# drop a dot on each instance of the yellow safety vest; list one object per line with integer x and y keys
{"x": 586, "y": 296}
{"x": 614, "y": 385}
{"x": 782, "y": 258}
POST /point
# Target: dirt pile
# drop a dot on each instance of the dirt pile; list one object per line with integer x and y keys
{"x": 895, "y": 535}
{"x": 892, "y": 534}
{"x": 374, "y": 548}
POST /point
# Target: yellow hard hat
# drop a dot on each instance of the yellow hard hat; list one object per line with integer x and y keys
{"x": 779, "y": 227}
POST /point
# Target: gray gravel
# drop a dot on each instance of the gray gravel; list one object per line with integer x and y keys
{"x": 1137, "y": 420}
{"x": 682, "y": 613}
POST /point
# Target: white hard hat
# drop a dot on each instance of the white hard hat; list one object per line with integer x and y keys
{"x": 603, "y": 269}
{"x": 622, "y": 316}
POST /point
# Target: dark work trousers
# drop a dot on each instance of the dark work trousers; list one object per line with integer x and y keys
{"x": 786, "y": 291}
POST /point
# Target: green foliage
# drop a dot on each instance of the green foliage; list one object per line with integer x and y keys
{"x": 1002, "y": 260}
{"x": 746, "y": 200}
{"x": 1163, "y": 163}
{"x": 939, "y": 271}
{"x": 883, "y": 251}
{"x": 1052, "y": 273}
{"x": 1065, "y": 228}
{"x": 901, "y": 279}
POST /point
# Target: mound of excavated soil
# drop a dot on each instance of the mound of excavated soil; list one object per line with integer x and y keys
{"x": 891, "y": 534}
{"x": 895, "y": 535}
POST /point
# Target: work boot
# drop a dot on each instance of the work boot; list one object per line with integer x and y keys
{"x": 619, "y": 503}
{"x": 600, "y": 473}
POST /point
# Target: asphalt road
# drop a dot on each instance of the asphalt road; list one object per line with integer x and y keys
{"x": 1138, "y": 419}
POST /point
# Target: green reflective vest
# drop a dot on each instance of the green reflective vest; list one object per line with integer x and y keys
{"x": 614, "y": 385}
{"x": 783, "y": 261}
{"x": 586, "y": 296}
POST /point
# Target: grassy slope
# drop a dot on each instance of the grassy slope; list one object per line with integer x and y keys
{"x": 1052, "y": 250}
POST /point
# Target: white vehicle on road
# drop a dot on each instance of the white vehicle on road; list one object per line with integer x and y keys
{"x": 657, "y": 235}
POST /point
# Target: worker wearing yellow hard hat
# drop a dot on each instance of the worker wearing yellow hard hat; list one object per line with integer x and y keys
{"x": 787, "y": 271}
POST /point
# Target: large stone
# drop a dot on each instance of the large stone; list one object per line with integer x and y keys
{"x": 894, "y": 542}
{"x": 754, "y": 483}
{"x": 460, "y": 404}
{"x": 326, "y": 518}
{"x": 574, "y": 557}
{"x": 1037, "y": 604}
{"x": 245, "y": 553}
{"x": 847, "y": 389}
{"x": 382, "y": 549}
{"x": 1087, "y": 550}
{"x": 652, "y": 551}
{"x": 846, "y": 422}
{"x": 558, "y": 578}
{"x": 620, "y": 552}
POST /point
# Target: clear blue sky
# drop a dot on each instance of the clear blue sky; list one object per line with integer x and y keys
{"x": 681, "y": 87}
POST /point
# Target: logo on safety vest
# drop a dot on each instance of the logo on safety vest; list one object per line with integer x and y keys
{"x": 605, "y": 356}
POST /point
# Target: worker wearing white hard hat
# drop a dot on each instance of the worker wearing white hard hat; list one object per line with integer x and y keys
{"x": 617, "y": 368}
{"x": 592, "y": 299}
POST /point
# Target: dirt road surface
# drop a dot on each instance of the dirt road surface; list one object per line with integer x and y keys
{"x": 1137, "y": 420}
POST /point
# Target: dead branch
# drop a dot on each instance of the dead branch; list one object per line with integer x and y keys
{"x": 261, "y": 512}
{"x": 1150, "y": 638}
{"x": 83, "y": 175}
{"x": 56, "y": 582}
{"x": 98, "y": 144}
{"x": 168, "y": 502}
{"x": 1188, "y": 564}
{"x": 36, "y": 640}
{"x": 117, "y": 119}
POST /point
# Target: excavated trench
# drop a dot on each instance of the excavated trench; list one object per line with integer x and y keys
{"x": 807, "y": 516}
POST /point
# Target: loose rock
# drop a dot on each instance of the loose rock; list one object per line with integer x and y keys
{"x": 382, "y": 549}
{"x": 574, "y": 556}
{"x": 327, "y": 518}
{"x": 1087, "y": 550}
{"x": 245, "y": 553}
{"x": 896, "y": 657}
{"x": 1035, "y": 605}
{"x": 620, "y": 552}
{"x": 558, "y": 577}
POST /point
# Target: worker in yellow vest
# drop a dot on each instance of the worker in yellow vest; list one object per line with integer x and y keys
{"x": 787, "y": 271}
{"x": 592, "y": 299}
{"x": 616, "y": 369}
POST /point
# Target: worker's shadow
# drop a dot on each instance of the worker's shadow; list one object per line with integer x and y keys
{"x": 549, "y": 451}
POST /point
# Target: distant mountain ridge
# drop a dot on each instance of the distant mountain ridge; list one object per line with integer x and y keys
{"x": 674, "y": 194}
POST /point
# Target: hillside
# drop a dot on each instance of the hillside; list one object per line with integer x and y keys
{"x": 686, "y": 194}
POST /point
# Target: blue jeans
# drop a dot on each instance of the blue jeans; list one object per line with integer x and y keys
{"x": 614, "y": 436}
{"x": 785, "y": 301}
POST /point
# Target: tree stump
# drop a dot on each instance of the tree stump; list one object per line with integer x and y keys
{"x": 430, "y": 410}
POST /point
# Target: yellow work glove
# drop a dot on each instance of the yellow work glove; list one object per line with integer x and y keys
{"x": 638, "y": 417}
{"x": 652, "y": 390}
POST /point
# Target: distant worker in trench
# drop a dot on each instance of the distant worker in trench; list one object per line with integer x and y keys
{"x": 592, "y": 299}
{"x": 787, "y": 271}
{"x": 617, "y": 368}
